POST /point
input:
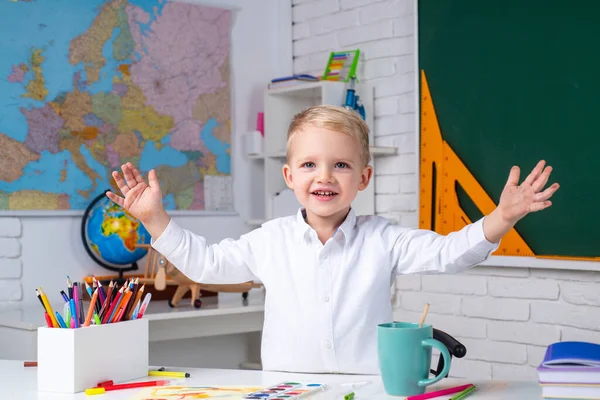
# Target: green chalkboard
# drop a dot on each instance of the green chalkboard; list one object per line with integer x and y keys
{"x": 514, "y": 82}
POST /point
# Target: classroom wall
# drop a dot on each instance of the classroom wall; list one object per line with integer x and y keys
{"x": 505, "y": 316}
{"x": 38, "y": 251}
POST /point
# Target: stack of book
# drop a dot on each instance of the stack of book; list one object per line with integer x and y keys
{"x": 570, "y": 370}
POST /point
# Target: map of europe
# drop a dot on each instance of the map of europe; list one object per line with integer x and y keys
{"x": 87, "y": 85}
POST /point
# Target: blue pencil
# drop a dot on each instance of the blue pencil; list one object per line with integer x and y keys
{"x": 60, "y": 319}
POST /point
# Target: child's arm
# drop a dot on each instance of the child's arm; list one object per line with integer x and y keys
{"x": 229, "y": 261}
{"x": 420, "y": 250}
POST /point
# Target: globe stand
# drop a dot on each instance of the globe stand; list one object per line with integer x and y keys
{"x": 118, "y": 269}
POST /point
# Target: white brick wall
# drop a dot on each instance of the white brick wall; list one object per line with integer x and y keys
{"x": 10, "y": 260}
{"x": 505, "y": 316}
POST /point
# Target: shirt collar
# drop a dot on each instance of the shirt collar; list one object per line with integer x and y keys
{"x": 347, "y": 227}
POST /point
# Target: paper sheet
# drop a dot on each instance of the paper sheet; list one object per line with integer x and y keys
{"x": 195, "y": 392}
{"x": 218, "y": 193}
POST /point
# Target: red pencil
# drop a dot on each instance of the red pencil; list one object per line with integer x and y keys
{"x": 106, "y": 301}
{"x": 107, "y": 388}
{"x": 112, "y": 306}
{"x": 48, "y": 320}
{"x": 439, "y": 393}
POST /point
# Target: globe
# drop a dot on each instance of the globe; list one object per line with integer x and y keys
{"x": 111, "y": 235}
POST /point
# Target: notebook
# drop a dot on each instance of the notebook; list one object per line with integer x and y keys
{"x": 562, "y": 391}
{"x": 571, "y": 362}
{"x": 568, "y": 354}
{"x": 569, "y": 375}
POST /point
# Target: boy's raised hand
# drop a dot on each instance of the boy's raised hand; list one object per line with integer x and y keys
{"x": 516, "y": 201}
{"x": 142, "y": 200}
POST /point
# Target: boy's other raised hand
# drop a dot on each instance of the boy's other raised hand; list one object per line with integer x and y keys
{"x": 142, "y": 200}
{"x": 516, "y": 201}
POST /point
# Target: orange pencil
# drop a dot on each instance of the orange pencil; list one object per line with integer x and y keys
{"x": 123, "y": 306}
{"x": 119, "y": 305}
{"x": 90, "y": 312}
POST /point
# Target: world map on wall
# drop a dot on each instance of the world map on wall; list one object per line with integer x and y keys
{"x": 87, "y": 85}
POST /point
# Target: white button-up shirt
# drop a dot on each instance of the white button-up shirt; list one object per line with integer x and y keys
{"x": 323, "y": 302}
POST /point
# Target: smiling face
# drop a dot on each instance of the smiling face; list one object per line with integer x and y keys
{"x": 325, "y": 170}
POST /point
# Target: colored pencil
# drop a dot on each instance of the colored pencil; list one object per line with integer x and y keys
{"x": 464, "y": 393}
{"x": 107, "y": 300}
{"x": 111, "y": 309}
{"x": 439, "y": 393}
{"x": 91, "y": 308}
{"x": 123, "y": 306}
{"x": 134, "y": 303}
{"x": 48, "y": 308}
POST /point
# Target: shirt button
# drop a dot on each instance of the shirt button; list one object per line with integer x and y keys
{"x": 325, "y": 299}
{"x": 327, "y": 344}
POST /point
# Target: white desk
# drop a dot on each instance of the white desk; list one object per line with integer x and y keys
{"x": 227, "y": 316}
{"x": 18, "y": 382}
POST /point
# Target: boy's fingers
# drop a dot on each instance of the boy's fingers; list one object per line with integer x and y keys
{"x": 535, "y": 173}
{"x": 138, "y": 176}
{"x": 127, "y": 172}
{"x": 153, "y": 179}
{"x": 117, "y": 199}
{"x": 540, "y": 206}
{"x": 546, "y": 194}
{"x": 541, "y": 181}
{"x": 120, "y": 183}
{"x": 513, "y": 177}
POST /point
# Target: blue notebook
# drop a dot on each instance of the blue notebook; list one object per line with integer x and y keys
{"x": 572, "y": 354}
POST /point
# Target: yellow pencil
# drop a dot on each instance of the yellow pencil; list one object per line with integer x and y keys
{"x": 172, "y": 374}
{"x": 49, "y": 309}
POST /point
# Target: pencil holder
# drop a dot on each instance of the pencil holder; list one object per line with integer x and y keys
{"x": 72, "y": 360}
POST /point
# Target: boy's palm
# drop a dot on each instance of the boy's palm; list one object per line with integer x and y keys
{"x": 140, "y": 198}
{"x": 516, "y": 201}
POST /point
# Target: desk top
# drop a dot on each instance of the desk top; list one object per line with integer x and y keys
{"x": 19, "y": 382}
{"x": 30, "y": 316}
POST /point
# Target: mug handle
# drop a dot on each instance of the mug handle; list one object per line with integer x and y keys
{"x": 447, "y": 359}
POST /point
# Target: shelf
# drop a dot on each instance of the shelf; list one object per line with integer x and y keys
{"x": 308, "y": 89}
{"x": 375, "y": 151}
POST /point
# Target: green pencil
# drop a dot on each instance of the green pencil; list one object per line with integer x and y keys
{"x": 463, "y": 394}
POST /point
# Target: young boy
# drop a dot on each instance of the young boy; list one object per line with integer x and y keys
{"x": 327, "y": 272}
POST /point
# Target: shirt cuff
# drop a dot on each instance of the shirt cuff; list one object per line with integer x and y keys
{"x": 169, "y": 239}
{"x": 479, "y": 242}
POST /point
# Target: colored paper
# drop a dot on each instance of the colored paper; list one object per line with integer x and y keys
{"x": 195, "y": 392}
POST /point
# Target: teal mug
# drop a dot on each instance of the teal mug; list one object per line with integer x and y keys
{"x": 404, "y": 352}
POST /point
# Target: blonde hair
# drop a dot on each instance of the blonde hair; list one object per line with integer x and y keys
{"x": 337, "y": 119}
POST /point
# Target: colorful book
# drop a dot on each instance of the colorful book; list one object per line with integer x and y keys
{"x": 570, "y": 363}
{"x": 572, "y": 354}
